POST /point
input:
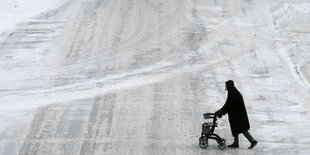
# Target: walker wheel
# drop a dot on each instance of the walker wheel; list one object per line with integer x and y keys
{"x": 222, "y": 145}
{"x": 203, "y": 142}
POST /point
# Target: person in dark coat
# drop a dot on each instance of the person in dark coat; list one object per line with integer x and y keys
{"x": 238, "y": 118}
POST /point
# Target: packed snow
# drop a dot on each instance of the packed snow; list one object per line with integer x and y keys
{"x": 135, "y": 76}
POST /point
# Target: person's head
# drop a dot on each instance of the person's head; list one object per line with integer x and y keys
{"x": 229, "y": 84}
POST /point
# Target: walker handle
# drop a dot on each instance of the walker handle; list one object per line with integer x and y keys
{"x": 208, "y": 115}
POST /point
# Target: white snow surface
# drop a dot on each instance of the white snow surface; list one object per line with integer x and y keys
{"x": 13, "y": 12}
{"x": 135, "y": 76}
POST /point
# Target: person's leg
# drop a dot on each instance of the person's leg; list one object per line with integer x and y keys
{"x": 235, "y": 144}
{"x": 250, "y": 139}
{"x": 236, "y": 139}
{"x": 248, "y": 136}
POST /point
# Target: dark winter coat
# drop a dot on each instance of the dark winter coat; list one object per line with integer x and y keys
{"x": 237, "y": 114}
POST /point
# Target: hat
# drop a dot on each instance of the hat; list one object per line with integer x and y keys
{"x": 230, "y": 84}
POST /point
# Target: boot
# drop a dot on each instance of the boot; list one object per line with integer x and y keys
{"x": 234, "y": 145}
{"x": 253, "y": 144}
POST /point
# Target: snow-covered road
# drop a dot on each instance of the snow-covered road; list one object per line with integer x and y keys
{"x": 135, "y": 76}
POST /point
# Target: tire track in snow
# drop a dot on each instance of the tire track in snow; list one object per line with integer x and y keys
{"x": 70, "y": 128}
{"x": 99, "y": 124}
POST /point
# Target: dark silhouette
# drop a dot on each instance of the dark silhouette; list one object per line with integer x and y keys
{"x": 238, "y": 118}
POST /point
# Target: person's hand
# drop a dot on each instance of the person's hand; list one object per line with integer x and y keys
{"x": 218, "y": 114}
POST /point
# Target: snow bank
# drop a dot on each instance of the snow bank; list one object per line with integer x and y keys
{"x": 293, "y": 26}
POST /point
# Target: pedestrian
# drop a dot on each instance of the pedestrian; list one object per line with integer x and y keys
{"x": 238, "y": 119}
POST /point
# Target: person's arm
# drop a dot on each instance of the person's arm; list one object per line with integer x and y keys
{"x": 227, "y": 106}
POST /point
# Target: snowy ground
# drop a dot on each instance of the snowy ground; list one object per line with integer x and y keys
{"x": 135, "y": 76}
{"x": 14, "y": 12}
